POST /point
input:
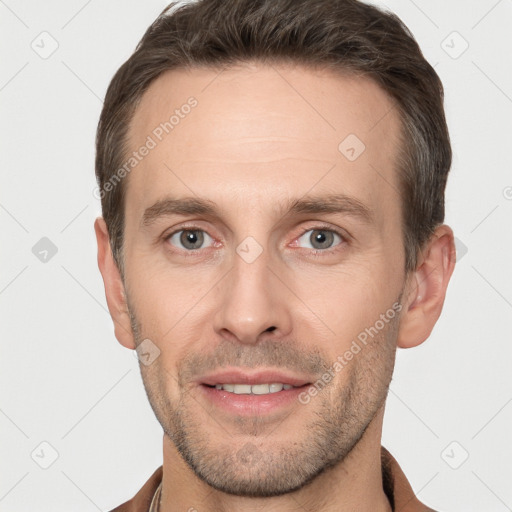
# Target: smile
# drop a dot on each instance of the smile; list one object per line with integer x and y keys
{"x": 254, "y": 389}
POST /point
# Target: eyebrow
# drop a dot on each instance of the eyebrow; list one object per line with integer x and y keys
{"x": 330, "y": 203}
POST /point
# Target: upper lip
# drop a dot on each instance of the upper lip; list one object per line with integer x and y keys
{"x": 239, "y": 376}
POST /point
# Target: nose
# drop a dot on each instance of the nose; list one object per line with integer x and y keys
{"x": 252, "y": 301}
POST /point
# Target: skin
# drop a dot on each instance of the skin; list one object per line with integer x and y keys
{"x": 260, "y": 137}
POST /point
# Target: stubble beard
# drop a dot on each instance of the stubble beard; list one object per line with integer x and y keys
{"x": 252, "y": 459}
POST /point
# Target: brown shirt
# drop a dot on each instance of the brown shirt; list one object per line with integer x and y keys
{"x": 395, "y": 484}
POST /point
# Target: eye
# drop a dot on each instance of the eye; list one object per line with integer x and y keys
{"x": 189, "y": 239}
{"x": 320, "y": 239}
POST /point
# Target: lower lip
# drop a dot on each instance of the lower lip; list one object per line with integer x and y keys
{"x": 252, "y": 405}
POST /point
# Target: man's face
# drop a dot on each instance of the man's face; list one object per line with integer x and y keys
{"x": 254, "y": 291}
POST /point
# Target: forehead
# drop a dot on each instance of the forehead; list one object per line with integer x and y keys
{"x": 253, "y": 134}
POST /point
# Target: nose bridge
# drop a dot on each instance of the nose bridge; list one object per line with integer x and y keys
{"x": 251, "y": 297}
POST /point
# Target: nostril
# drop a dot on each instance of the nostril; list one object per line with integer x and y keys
{"x": 270, "y": 329}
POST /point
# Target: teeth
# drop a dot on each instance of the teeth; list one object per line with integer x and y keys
{"x": 260, "y": 389}
{"x": 256, "y": 389}
{"x": 241, "y": 389}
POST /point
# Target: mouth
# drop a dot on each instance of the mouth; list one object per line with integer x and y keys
{"x": 252, "y": 394}
{"x": 254, "y": 389}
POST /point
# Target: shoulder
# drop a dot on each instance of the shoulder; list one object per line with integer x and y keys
{"x": 142, "y": 500}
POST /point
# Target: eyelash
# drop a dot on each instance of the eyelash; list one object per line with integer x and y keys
{"x": 314, "y": 252}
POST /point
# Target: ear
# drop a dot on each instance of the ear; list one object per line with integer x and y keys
{"x": 426, "y": 288}
{"x": 114, "y": 287}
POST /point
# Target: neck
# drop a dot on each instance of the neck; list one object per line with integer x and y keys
{"x": 353, "y": 484}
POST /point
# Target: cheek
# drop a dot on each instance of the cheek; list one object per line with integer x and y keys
{"x": 171, "y": 306}
{"x": 160, "y": 284}
{"x": 360, "y": 288}
{"x": 348, "y": 298}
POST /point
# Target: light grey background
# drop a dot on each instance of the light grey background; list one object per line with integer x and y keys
{"x": 66, "y": 381}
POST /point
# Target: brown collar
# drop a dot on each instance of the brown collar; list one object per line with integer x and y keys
{"x": 395, "y": 484}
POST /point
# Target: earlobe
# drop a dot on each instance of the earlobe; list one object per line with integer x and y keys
{"x": 114, "y": 286}
{"x": 426, "y": 288}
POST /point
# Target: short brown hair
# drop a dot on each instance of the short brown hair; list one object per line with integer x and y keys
{"x": 345, "y": 35}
